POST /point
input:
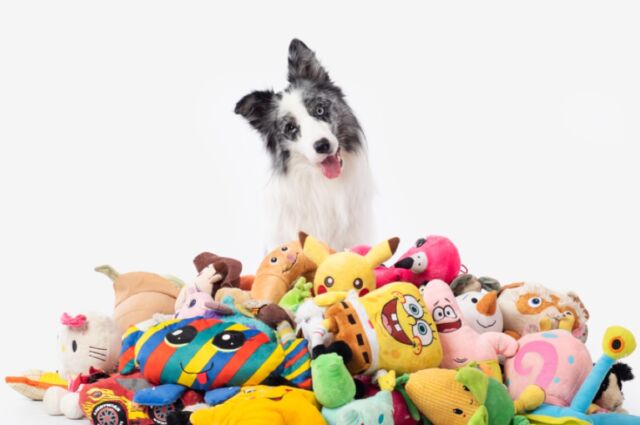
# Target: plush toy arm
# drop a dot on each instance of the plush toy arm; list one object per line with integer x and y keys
{"x": 161, "y": 395}
{"x": 530, "y": 399}
{"x": 220, "y": 395}
{"x": 503, "y": 344}
{"x": 296, "y": 295}
{"x": 330, "y": 298}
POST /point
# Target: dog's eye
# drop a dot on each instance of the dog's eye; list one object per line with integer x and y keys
{"x": 290, "y": 128}
{"x": 420, "y": 242}
{"x": 320, "y": 110}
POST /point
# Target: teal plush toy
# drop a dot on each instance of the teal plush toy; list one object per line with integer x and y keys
{"x": 617, "y": 343}
{"x": 375, "y": 410}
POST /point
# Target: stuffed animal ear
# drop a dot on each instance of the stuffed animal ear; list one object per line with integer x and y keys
{"x": 313, "y": 248}
{"x": 475, "y": 380}
{"x": 382, "y": 252}
{"x": 481, "y": 417}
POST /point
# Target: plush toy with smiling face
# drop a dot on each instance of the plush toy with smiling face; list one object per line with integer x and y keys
{"x": 346, "y": 271}
{"x": 279, "y": 270}
{"x": 461, "y": 343}
{"x": 480, "y": 310}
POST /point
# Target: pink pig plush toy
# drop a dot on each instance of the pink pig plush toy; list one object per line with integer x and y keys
{"x": 461, "y": 344}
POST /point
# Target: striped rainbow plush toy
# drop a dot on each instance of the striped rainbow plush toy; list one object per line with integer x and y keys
{"x": 208, "y": 353}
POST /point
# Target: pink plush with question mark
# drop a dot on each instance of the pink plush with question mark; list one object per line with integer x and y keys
{"x": 556, "y": 361}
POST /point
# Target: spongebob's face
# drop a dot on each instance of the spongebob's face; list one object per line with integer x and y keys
{"x": 407, "y": 337}
{"x": 344, "y": 271}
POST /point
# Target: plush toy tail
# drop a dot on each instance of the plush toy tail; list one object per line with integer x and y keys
{"x": 109, "y": 271}
{"x": 127, "y": 363}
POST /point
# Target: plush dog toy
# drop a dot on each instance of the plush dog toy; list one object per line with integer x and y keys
{"x": 610, "y": 397}
{"x": 465, "y": 396}
{"x": 140, "y": 295}
{"x": 389, "y": 328}
{"x": 480, "y": 310}
{"x": 530, "y": 308}
{"x": 345, "y": 271}
{"x": 433, "y": 257}
{"x": 460, "y": 342}
{"x": 572, "y": 406}
{"x": 279, "y": 270}
{"x": 87, "y": 342}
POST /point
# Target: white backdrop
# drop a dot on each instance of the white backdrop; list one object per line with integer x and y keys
{"x": 510, "y": 127}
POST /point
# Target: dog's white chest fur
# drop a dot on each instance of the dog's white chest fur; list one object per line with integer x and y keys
{"x": 336, "y": 211}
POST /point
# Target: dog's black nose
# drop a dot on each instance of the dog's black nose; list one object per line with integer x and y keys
{"x": 322, "y": 146}
{"x": 405, "y": 263}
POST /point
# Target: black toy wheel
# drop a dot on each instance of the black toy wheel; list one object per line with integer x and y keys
{"x": 159, "y": 414}
{"x": 109, "y": 413}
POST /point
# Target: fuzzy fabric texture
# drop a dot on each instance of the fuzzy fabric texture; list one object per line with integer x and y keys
{"x": 375, "y": 410}
{"x": 480, "y": 311}
{"x": 461, "y": 344}
{"x": 433, "y": 257}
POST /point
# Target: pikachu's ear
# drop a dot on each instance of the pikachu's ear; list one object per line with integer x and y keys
{"x": 313, "y": 248}
{"x": 382, "y": 252}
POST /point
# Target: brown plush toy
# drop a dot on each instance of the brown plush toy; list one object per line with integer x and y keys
{"x": 279, "y": 270}
{"x": 140, "y": 295}
{"x": 226, "y": 270}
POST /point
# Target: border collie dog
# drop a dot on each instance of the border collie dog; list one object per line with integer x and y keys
{"x": 321, "y": 182}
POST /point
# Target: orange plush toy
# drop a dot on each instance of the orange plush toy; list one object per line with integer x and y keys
{"x": 279, "y": 270}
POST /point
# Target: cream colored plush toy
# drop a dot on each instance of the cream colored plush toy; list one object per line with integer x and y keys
{"x": 86, "y": 342}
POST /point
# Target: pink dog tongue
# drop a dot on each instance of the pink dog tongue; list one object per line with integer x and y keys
{"x": 331, "y": 167}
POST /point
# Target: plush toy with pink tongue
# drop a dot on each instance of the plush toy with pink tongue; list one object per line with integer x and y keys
{"x": 332, "y": 165}
{"x": 461, "y": 344}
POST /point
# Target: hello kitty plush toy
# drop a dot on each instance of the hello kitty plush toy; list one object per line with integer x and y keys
{"x": 86, "y": 343}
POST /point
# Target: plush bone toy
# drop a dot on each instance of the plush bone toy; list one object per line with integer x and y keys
{"x": 461, "y": 343}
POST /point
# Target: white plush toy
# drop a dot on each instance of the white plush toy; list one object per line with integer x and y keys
{"x": 309, "y": 319}
{"x": 480, "y": 309}
{"x": 86, "y": 342}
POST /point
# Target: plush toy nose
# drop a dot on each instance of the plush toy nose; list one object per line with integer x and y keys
{"x": 291, "y": 257}
{"x": 487, "y": 305}
{"x": 405, "y": 263}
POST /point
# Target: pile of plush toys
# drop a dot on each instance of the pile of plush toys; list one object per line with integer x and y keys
{"x": 324, "y": 337}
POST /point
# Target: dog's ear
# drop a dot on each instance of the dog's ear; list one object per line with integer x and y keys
{"x": 303, "y": 64}
{"x": 255, "y": 107}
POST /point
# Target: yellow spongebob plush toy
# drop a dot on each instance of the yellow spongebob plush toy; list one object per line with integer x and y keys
{"x": 346, "y": 271}
{"x": 263, "y": 405}
{"x": 389, "y": 328}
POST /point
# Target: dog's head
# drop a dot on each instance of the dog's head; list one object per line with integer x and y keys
{"x": 309, "y": 122}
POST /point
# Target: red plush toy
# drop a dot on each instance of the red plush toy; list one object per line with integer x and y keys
{"x": 433, "y": 257}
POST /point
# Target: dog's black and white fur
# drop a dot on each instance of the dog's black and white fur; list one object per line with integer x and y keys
{"x": 321, "y": 181}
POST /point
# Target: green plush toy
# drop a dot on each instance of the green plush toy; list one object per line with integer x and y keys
{"x": 465, "y": 396}
{"x": 332, "y": 382}
{"x": 295, "y": 296}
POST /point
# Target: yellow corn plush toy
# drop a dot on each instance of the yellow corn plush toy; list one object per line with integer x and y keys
{"x": 346, "y": 271}
{"x": 263, "y": 405}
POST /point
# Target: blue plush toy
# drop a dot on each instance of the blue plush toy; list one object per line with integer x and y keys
{"x": 617, "y": 343}
{"x": 375, "y": 410}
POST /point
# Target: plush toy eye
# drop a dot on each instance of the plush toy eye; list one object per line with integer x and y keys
{"x": 328, "y": 281}
{"x": 273, "y": 260}
{"x": 284, "y": 249}
{"x": 74, "y": 346}
{"x": 192, "y": 303}
{"x": 458, "y": 411}
{"x": 412, "y": 306}
{"x": 181, "y": 336}
{"x": 535, "y": 302}
{"x": 229, "y": 340}
{"x": 438, "y": 313}
{"x": 449, "y": 312}
{"x": 420, "y": 242}
{"x": 422, "y": 331}
{"x": 474, "y": 300}
{"x": 357, "y": 283}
